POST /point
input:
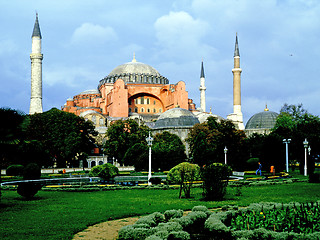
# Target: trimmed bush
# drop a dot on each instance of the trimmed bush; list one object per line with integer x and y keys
{"x": 14, "y": 170}
{"x": 180, "y": 235}
{"x": 170, "y": 214}
{"x": 215, "y": 180}
{"x": 155, "y": 180}
{"x": 184, "y": 174}
{"x": 31, "y": 171}
{"x": 105, "y": 171}
{"x": 314, "y": 178}
{"x": 28, "y": 190}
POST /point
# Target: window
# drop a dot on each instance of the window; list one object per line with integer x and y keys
{"x": 136, "y": 110}
{"x": 93, "y": 119}
{"x": 142, "y": 110}
{"x": 148, "y": 110}
{"x": 148, "y": 101}
{"x": 101, "y": 122}
{"x": 160, "y": 110}
{"x": 154, "y": 110}
{"x": 136, "y": 101}
{"x": 154, "y": 102}
{"x": 142, "y": 100}
{"x": 129, "y": 110}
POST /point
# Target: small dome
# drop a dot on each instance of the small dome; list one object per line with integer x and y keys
{"x": 176, "y": 117}
{"x": 262, "y": 120}
{"x": 203, "y": 116}
{"x": 135, "y": 72}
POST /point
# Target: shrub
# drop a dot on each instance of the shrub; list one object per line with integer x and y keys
{"x": 14, "y": 170}
{"x": 155, "y": 180}
{"x": 180, "y": 235}
{"x": 184, "y": 221}
{"x": 170, "y": 214}
{"x": 28, "y": 189}
{"x": 105, "y": 171}
{"x": 133, "y": 232}
{"x": 184, "y": 174}
{"x": 215, "y": 180}
{"x": 31, "y": 171}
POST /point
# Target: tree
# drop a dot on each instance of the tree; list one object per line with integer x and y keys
{"x": 296, "y": 123}
{"x": 184, "y": 174}
{"x": 207, "y": 141}
{"x": 60, "y": 134}
{"x": 137, "y": 156}
{"x": 122, "y": 135}
{"x": 167, "y": 151}
{"x": 10, "y": 135}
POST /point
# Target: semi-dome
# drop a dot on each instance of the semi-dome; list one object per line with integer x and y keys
{"x": 262, "y": 120}
{"x": 176, "y": 117}
{"x": 135, "y": 72}
{"x": 91, "y": 91}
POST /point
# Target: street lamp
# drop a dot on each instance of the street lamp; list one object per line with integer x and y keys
{"x": 225, "y": 154}
{"x": 305, "y": 144}
{"x": 149, "y": 142}
{"x": 287, "y": 141}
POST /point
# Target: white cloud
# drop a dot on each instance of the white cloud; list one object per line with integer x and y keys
{"x": 94, "y": 34}
{"x": 178, "y": 33}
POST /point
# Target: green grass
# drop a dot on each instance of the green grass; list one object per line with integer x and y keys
{"x": 59, "y": 215}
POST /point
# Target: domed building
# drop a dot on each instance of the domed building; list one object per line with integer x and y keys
{"x": 261, "y": 122}
{"x": 176, "y": 121}
{"x": 130, "y": 90}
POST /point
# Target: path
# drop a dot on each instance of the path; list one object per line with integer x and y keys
{"x": 106, "y": 230}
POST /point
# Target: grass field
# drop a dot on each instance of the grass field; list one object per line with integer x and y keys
{"x": 59, "y": 215}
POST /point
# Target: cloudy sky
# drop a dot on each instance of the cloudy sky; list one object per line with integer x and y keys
{"x": 82, "y": 41}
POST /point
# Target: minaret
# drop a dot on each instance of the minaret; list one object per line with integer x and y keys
{"x": 36, "y": 70}
{"x": 202, "y": 89}
{"x": 237, "y": 116}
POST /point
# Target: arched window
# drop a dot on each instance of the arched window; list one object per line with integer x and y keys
{"x": 154, "y": 102}
{"x": 129, "y": 110}
{"x": 142, "y": 109}
{"x": 136, "y": 109}
{"x": 148, "y": 100}
{"x": 160, "y": 110}
{"x": 154, "y": 110}
{"x": 148, "y": 110}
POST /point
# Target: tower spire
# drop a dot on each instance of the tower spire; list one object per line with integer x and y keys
{"x": 236, "y": 48}
{"x": 36, "y": 70}
{"x": 237, "y": 116}
{"x": 202, "y": 89}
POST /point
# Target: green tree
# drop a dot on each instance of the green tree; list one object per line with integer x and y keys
{"x": 184, "y": 174}
{"x": 137, "y": 156}
{"x": 296, "y": 123}
{"x": 60, "y": 134}
{"x": 122, "y": 135}
{"x": 208, "y": 140}
{"x": 167, "y": 151}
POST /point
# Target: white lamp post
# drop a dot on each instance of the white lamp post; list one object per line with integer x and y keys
{"x": 287, "y": 141}
{"x": 225, "y": 154}
{"x": 305, "y": 144}
{"x": 149, "y": 142}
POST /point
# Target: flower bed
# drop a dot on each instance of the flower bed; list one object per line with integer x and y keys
{"x": 258, "y": 221}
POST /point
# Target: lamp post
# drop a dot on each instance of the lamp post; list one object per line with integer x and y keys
{"x": 225, "y": 154}
{"x": 149, "y": 142}
{"x": 305, "y": 144}
{"x": 287, "y": 141}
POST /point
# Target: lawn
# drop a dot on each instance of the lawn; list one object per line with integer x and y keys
{"x": 59, "y": 215}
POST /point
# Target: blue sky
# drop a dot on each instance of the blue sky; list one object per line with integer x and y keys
{"x": 82, "y": 41}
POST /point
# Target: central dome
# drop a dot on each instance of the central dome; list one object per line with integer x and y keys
{"x": 135, "y": 72}
{"x": 134, "y": 68}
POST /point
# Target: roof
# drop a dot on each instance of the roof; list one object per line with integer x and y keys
{"x": 176, "y": 117}
{"x": 262, "y": 120}
{"x": 36, "y": 29}
{"x": 236, "y": 48}
{"x": 202, "y": 71}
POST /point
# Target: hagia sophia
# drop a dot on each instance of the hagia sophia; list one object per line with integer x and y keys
{"x": 137, "y": 90}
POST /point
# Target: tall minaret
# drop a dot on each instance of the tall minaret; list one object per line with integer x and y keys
{"x": 36, "y": 70}
{"x": 202, "y": 90}
{"x": 237, "y": 116}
